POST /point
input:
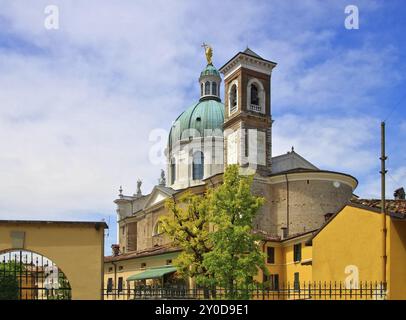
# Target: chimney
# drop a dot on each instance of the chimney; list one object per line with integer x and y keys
{"x": 115, "y": 248}
{"x": 399, "y": 194}
{"x": 327, "y": 216}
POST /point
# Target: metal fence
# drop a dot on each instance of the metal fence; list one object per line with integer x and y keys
{"x": 285, "y": 291}
{"x": 25, "y": 275}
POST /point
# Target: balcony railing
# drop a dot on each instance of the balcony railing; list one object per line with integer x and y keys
{"x": 256, "y": 108}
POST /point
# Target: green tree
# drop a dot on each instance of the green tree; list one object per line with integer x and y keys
{"x": 9, "y": 288}
{"x": 188, "y": 227}
{"x": 235, "y": 254}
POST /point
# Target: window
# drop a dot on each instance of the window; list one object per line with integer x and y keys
{"x": 168, "y": 262}
{"x": 274, "y": 281}
{"x": 296, "y": 283}
{"x": 270, "y": 255}
{"x": 120, "y": 284}
{"x": 143, "y": 265}
{"x": 201, "y": 89}
{"x": 254, "y": 95}
{"x": 158, "y": 229}
{"x": 120, "y": 268}
{"x": 297, "y": 252}
{"x": 214, "y": 88}
{"x": 198, "y": 165}
{"x": 207, "y": 88}
{"x": 246, "y": 141}
{"x": 271, "y": 282}
{"x": 111, "y": 269}
{"x": 110, "y": 285}
{"x": 173, "y": 170}
{"x": 233, "y": 98}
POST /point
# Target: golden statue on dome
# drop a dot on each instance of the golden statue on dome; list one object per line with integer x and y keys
{"x": 209, "y": 53}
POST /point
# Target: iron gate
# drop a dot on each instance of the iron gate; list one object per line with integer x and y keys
{"x": 25, "y": 275}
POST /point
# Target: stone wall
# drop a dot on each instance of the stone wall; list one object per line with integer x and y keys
{"x": 306, "y": 204}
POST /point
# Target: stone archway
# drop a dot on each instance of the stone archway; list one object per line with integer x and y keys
{"x": 77, "y": 248}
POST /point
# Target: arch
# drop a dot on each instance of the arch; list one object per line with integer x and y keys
{"x": 255, "y": 96}
{"x": 158, "y": 228}
{"x": 28, "y": 275}
{"x": 198, "y": 165}
{"x": 214, "y": 88}
{"x": 233, "y": 97}
{"x": 201, "y": 89}
{"x": 207, "y": 88}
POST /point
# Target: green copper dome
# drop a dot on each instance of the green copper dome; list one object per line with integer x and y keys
{"x": 210, "y": 70}
{"x": 204, "y": 115}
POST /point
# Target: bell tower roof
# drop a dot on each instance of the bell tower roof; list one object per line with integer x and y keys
{"x": 250, "y": 60}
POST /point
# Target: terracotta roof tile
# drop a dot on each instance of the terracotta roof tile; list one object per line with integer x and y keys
{"x": 395, "y": 206}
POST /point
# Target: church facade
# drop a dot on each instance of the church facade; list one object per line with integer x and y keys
{"x": 234, "y": 127}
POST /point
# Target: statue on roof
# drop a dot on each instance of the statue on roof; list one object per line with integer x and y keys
{"x": 139, "y": 183}
{"x": 209, "y": 53}
{"x": 162, "y": 180}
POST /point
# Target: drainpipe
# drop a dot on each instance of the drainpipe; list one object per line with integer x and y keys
{"x": 263, "y": 250}
{"x": 115, "y": 280}
{"x": 287, "y": 204}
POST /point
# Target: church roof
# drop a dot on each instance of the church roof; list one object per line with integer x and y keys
{"x": 197, "y": 120}
{"x": 291, "y": 161}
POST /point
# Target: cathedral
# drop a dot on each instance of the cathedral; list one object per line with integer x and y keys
{"x": 222, "y": 128}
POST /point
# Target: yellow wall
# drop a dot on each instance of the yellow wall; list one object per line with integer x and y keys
{"x": 351, "y": 238}
{"x": 397, "y": 260}
{"x": 76, "y": 249}
{"x": 305, "y": 271}
{"x": 284, "y": 265}
{"x": 354, "y": 237}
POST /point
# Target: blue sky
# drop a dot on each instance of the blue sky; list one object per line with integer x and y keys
{"x": 77, "y": 104}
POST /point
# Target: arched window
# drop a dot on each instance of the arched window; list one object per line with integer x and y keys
{"x": 198, "y": 165}
{"x": 254, "y": 95}
{"x": 233, "y": 98}
{"x": 214, "y": 88}
{"x": 207, "y": 88}
{"x": 173, "y": 170}
{"x": 158, "y": 228}
{"x": 201, "y": 89}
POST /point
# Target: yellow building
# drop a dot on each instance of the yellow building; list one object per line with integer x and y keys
{"x": 48, "y": 250}
{"x": 349, "y": 247}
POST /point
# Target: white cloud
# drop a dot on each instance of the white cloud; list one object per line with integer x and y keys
{"x": 77, "y": 104}
{"x": 343, "y": 144}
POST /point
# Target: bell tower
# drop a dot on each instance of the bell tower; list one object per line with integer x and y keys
{"x": 247, "y": 116}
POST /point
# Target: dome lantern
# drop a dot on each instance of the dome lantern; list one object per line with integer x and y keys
{"x": 209, "y": 79}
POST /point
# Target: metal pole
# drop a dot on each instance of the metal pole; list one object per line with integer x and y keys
{"x": 383, "y": 203}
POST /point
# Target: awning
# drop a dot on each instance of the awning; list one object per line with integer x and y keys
{"x": 152, "y": 273}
